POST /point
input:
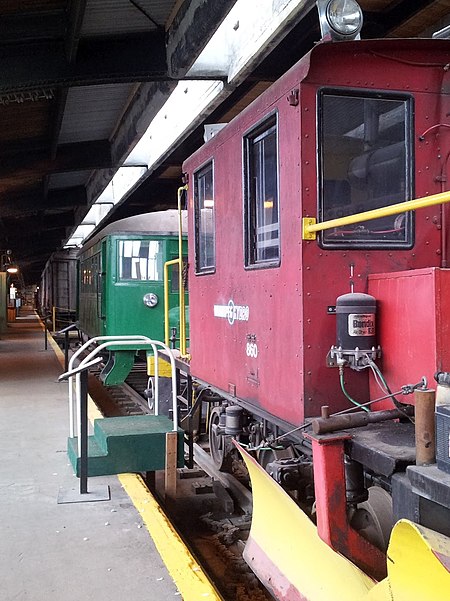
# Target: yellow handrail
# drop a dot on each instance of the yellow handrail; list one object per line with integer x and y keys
{"x": 181, "y": 292}
{"x": 180, "y": 275}
{"x": 167, "y": 264}
{"x": 310, "y": 226}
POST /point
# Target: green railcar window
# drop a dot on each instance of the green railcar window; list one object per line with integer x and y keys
{"x": 365, "y": 154}
{"x": 141, "y": 260}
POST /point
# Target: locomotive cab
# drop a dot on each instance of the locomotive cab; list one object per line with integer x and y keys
{"x": 353, "y": 127}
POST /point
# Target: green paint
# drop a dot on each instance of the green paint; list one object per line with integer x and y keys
{"x": 127, "y": 444}
{"x": 117, "y": 368}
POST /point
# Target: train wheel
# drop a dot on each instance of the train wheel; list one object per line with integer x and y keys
{"x": 374, "y": 518}
{"x": 220, "y": 444}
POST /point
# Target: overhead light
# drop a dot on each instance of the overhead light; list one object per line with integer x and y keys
{"x": 340, "y": 19}
{"x": 442, "y": 33}
{"x": 12, "y": 269}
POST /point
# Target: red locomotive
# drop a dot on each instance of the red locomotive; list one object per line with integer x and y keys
{"x": 284, "y": 328}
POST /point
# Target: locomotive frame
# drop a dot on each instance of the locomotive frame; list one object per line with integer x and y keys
{"x": 352, "y": 127}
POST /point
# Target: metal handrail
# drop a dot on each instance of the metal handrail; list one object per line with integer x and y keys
{"x": 54, "y": 309}
{"x": 75, "y": 355}
{"x": 310, "y": 225}
{"x": 167, "y": 264}
{"x": 119, "y": 341}
{"x": 68, "y": 374}
{"x": 181, "y": 291}
{"x": 82, "y": 448}
{"x": 65, "y": 331}
{"x": 180, "y": 274}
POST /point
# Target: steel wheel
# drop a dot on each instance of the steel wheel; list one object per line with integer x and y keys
{"x": 220, "y": 444}
{"x": 374, "y": 518}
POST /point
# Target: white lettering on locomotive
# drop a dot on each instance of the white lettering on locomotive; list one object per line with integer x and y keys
{"x": 252, "y": 350}
{"x": 232, "y": 312}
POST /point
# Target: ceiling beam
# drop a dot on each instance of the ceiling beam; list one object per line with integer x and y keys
{"x": 190, "y": 31}
{"x": 32, "y": 26}
{"x": 145, "y": 104}
{"x": 76, "y": 14}
{"x": 69, "y": 157}
{"x": 140, "y": 57}
{"x": 386, "y": 22}
{"x": 42, "y": 222}
{"x": 35, "y": 244}
{"x": 57, "y": 200}
{"x": 16, "y": 240}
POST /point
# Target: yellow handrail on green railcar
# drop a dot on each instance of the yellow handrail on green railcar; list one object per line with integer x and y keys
{"x": 182, "y": 304}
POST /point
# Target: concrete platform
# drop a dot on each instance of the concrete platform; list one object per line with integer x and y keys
{"x": 49, "y": 551}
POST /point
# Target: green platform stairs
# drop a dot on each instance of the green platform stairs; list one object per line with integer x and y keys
{"x": 134, "y": 443}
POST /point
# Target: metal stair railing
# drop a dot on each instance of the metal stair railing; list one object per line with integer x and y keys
{"x": 81, "y": 371}
{"x": 109, "y": 341}
{"x": 65, "y": 331}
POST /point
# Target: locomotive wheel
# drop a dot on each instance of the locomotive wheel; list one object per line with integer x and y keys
{"x": 220, "y": 444}
{"x": 374, "y": 518}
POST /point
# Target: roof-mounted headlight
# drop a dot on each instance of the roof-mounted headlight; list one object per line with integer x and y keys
{"x": 341, "y": 19}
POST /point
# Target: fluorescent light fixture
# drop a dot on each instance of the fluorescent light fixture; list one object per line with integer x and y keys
{"x": 241, "y": 39}
{"x": 181, "y": 113}
{"x": 122, "y": 182}
{"x": 443, "y": 33}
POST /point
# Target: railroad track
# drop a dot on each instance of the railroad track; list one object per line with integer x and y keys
{"x": 212, "y": 510}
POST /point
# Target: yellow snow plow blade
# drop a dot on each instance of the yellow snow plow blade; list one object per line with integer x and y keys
{"x": 285, "y": 552}
{"x": 418, "y": 563}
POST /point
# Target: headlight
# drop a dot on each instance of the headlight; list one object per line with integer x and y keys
{"x": 342, "y": 19}
{"x": 150, "y": 299}
{"x": 344, "y": 16}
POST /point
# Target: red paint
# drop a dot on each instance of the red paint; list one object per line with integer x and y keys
{"x": 269, "y": 573}
{"x": 288, "y": 304}
{"x": 331, "y": 508}
{"x": 413, "y": 325}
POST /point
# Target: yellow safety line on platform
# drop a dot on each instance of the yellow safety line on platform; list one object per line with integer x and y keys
{"x": 93, "y": 411}
{"x": 58, "y": 352}
{"x": 192, "y": 582}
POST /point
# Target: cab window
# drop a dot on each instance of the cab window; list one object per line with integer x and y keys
{"x": 140, "y": 260}
{"x": 364, "y": 157}
{"x": 204, "y": 215}
{"x": 262, "y": 226}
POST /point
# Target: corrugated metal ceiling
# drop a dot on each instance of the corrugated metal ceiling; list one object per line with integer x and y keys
{"x": 92, "y": 112}
{"x": 115, "y": 17}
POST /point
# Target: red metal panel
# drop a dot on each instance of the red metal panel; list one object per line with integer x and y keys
{"x": 219, "y": 345}
{"x": 287, "y": 306}
{"x": 331, "y": 507}
{"x": 413, "y": 325}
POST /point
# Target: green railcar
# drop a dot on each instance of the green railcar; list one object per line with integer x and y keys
{"x": 121, "y": 282}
